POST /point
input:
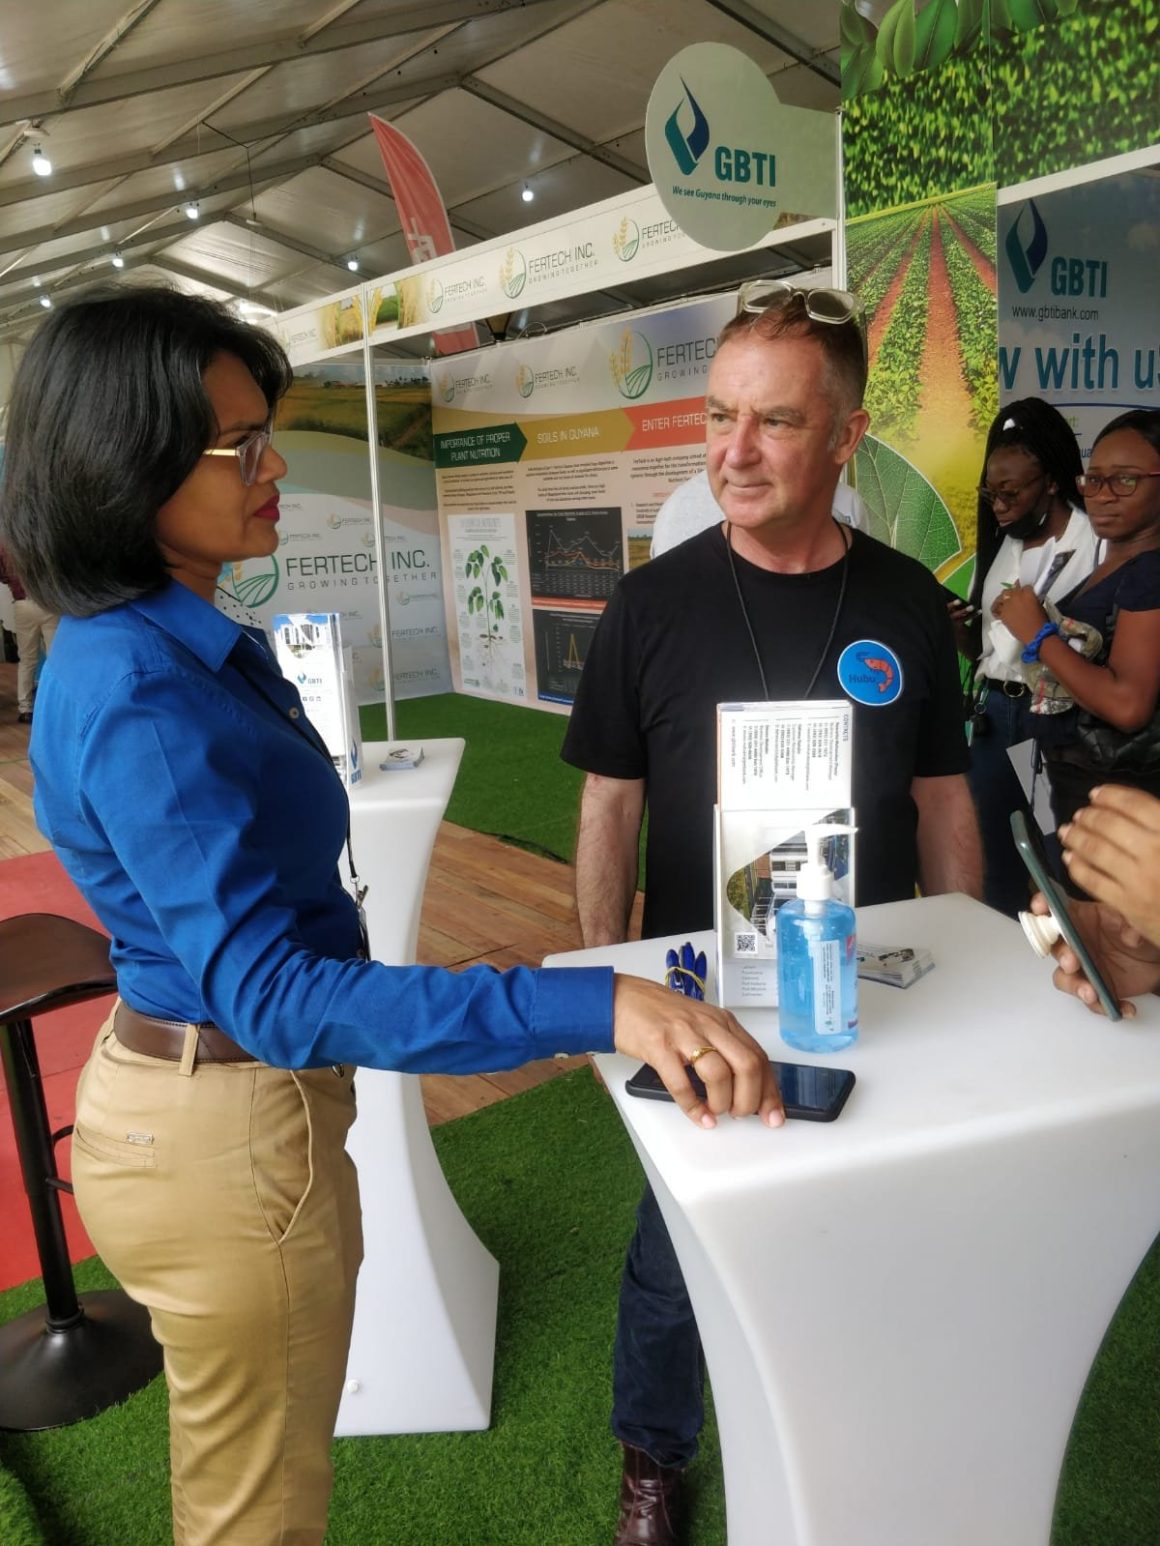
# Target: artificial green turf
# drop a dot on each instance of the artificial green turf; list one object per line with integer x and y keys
{"x": 549, "y": 1182}
{"x": 1109, "y": 1494}
{"x": 18, "y": 1522}
{"x": 511, "y": 781}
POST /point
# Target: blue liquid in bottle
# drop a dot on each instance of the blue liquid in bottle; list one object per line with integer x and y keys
{"x": 817, "y": 975}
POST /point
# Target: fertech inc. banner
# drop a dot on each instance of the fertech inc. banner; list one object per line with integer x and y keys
{"x": 552, "y": 457}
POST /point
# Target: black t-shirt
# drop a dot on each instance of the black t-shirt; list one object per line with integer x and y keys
{"x": 672, "y": 644}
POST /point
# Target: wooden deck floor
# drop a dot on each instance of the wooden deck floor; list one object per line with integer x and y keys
{"x": 486, "y": 901}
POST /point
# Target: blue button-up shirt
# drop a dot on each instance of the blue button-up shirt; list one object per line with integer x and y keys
{"x": 204, "y": 830}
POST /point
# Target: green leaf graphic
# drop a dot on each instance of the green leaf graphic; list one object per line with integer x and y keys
{"x": 862, "y": 72}
{"x": 969, "y": 23}
{"x": 884, "y": 42}
{"x": 935, "y": 34}
{"x": 906, "y": 511}
{"x": 853, "y": 28}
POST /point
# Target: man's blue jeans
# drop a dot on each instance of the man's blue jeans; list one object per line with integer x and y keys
{"x": 658, "y": 1370}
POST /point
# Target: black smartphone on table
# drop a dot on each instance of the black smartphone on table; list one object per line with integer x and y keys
{"x": 808, "y": 1091}
{"x": 1029, "y": 842}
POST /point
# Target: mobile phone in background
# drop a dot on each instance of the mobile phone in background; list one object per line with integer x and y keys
{"x": 810, "y": 1092}
{"x": 1029, "y": 842}
{"x": 959, "y": 601}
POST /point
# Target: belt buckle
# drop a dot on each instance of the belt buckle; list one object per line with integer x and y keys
{"x": 1014, "y": 689}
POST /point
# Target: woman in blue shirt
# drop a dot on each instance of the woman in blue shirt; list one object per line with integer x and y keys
{"x": 1118, "y": 691}
{"x": 199, "y": 813}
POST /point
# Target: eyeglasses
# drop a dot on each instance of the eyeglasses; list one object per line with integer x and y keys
{"x": 821, "y": 305}
{"x": 249, "y": 452}
{"x": 1006, "y": 496}
{"x": 1118, "y": 484}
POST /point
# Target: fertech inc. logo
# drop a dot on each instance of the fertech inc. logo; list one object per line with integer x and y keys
{"x": 446, "y": 384}
{"x": 251, "y": 582}
{"x": 687, "y": 146}
{"x": 632, "y": 364}
{"x": 525, "y": 380}
{"x": 513, "y": 273}
{"x": 1026, "y": 246}
{"x": 626, "y": 240}
{"x": 434, "y": 295}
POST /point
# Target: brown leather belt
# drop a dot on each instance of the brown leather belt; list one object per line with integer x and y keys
{"x": 166, "y": 1039}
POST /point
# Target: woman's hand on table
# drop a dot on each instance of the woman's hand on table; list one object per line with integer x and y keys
{"x": 1129, "y": 962}
{"x": 658, "y": 1026}
{"x": 1019, "y": 609}
{"x": 1112, "y": 850}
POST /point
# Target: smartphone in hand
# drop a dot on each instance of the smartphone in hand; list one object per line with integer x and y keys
{"x": 1029, "y": 842}
{"x": 953, "y": 598}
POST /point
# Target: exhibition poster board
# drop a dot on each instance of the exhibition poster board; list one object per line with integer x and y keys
{"x": 327, "y": 559}
{"x": 994, "y": 97}
{"x": 552, "y": 458}
{"x": 1077, "y": 307}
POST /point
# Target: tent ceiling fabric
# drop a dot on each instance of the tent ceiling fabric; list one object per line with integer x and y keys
{"x": 258, "y": 114}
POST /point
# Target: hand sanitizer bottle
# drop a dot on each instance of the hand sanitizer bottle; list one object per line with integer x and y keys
{"x": 817, "y": 963}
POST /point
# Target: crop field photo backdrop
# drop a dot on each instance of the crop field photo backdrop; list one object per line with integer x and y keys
{"x": 926, "y": 274}
{"x": 944, "y": 101}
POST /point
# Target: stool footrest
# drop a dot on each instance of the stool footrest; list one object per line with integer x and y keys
{"x": 51, "y": 1378}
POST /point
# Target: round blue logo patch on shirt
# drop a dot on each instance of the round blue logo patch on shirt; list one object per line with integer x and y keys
{"x": 870, "y": 673}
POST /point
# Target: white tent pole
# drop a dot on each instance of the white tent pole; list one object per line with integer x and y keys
{"x": 377, "y": 513}
{"x": 838, "y": 236}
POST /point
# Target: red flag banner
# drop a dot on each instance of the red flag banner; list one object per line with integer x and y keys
{"x": 424, "y": 218}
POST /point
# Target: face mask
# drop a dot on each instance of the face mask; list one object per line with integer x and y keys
{"x": 1028, "y": 525}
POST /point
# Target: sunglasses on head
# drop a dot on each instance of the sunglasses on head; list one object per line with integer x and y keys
{"x": 820, "y": 304}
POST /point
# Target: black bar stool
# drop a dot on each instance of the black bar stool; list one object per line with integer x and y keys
{"x": 73, "y": 1357}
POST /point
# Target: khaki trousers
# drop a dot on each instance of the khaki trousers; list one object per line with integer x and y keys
{"x": 32, "y": 626}
{"x": 222, "y": 1198}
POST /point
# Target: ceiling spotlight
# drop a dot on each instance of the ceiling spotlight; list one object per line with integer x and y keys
{"x": 46, "y": 303}
{"x": 41, "y": 165}
{"x": 352, "y": 264}
{"x": 117, "y": 260}
{"x": 527, "y": 195}
{"x": 190, "y": 210}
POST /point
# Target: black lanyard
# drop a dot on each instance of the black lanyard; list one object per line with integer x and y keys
{"x": 848, "y": 541}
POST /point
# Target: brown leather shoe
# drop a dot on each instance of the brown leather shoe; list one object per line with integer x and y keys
{"x": 648, "y": 1501}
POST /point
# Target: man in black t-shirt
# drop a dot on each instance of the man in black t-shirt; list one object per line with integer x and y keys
{"x": 778, "y": 602}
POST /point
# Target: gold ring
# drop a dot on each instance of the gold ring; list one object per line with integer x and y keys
{"x": 698, "y": 1052}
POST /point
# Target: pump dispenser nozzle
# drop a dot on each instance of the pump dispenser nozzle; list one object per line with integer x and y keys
{"x": 815, "y": 879}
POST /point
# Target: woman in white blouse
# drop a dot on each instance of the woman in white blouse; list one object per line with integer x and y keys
{"x": 1032, "y": 530}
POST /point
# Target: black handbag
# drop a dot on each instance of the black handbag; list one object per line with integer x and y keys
{"x": 1112, "y": 751}
{"x": 1109, "y": 750}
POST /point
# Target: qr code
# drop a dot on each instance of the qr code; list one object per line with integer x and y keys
{"x": 745, "y": 944}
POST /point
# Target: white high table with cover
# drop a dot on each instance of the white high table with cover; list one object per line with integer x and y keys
{"x": 423, "y": 1347}
{"x": 899, "y": 1309}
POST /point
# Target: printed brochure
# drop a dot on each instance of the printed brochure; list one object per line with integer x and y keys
{"x": 781, "y": 767}
{"x": 309, "y": 650}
